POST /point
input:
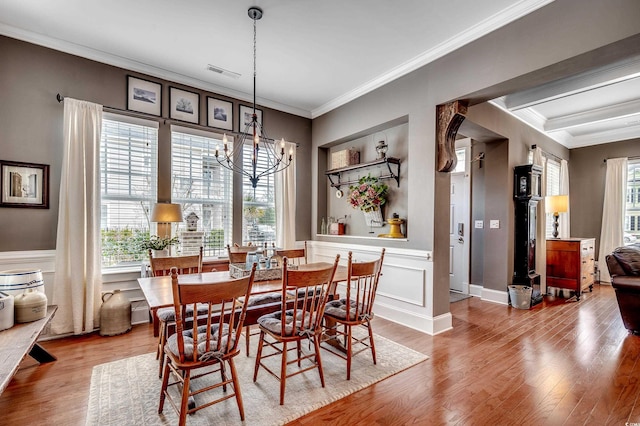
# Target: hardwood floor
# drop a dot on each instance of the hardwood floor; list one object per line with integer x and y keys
{"x": 560, "y": 363}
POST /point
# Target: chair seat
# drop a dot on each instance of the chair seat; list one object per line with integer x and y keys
{"x": 169, "y": 314}
{"x": 273, "y": 322}
{"x": 266, "y": 298}
{"x": 172, "y": 341}
{"x": 338, "y": 309}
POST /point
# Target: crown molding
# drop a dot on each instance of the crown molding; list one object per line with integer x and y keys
{"x": 607, "y": 136}
{"x": 478, "y": 30}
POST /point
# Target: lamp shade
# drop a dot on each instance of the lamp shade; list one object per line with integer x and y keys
{"x": 556, "y": 204}
{"x": 166, "y": 213}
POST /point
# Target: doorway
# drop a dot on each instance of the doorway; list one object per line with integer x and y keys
{"x": 459, "y": 218}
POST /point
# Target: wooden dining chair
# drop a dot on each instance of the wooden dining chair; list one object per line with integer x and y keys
{"x": 207, "y": 348}
{"x": 294, "y": 324}
{"x": 355, "y": 309}
{"x": 238, "y": 254}
{"x": 294, "y": 256}
{"x": 161, "y": 266}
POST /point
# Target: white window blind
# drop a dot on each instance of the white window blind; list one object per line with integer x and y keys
{"x": 632, "y": 207}
{"x": 202, "y": 186}
{"x": 128, "y": 180}
{"x": 258, "y": 205}
{"x": 553, "y": 188}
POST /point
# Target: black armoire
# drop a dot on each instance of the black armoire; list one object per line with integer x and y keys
{"x": 527, "y": 192}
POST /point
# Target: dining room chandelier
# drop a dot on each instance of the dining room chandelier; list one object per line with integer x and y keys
{"x": 266, "y": 157}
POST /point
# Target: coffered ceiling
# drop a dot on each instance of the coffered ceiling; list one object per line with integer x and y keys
{"x": 599, "y": 106}
{"x": 313, "y": 56}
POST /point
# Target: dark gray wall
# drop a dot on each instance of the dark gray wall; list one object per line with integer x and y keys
{"x": 587, "y": 171}
{"x": 560, "y": 39}
{"x": 31, "y": 131}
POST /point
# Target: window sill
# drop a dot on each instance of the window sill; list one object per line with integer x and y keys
{"x": 361, "y": 237}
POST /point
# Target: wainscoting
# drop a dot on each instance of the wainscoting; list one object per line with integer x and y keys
{"x": 124, "y": 280}
{"x": 404, "y": 293}
{"x": 406, "y": 284}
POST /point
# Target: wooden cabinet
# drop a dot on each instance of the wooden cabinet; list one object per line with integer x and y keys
{"x": 570, "y": 264}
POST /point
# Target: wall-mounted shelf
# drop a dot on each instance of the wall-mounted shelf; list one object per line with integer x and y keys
{"x": 389, "y": 161}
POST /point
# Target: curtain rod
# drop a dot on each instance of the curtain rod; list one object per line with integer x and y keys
{"x": 60, "y": 99}
{"x": 636, "y": 157}
{"x": 534, "y": 146}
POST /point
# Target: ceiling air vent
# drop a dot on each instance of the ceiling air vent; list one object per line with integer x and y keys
{"x": 222, "y": 71}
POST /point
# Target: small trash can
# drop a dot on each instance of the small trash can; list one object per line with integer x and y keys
{"x": 520, "y": 296}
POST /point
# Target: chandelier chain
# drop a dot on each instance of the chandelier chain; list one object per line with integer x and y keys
{"x": 254, "y": 63}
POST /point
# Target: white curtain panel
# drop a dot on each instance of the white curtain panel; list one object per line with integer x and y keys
{"x": 286, "y": 203}
{"x": 565, "y": 228}
{"x": 612, "y": 228}
{"x": 541, "y": 223}
{"x": 78, "y": 282}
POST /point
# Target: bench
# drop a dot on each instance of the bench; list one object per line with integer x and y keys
{"x": 19, "y": 341}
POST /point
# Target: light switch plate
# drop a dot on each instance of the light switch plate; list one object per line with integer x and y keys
{"x": 494, "y": 224}
{"x": 479, "y": 224}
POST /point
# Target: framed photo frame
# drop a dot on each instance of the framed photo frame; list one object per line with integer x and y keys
{"x": 184, "y": 105}
{"x": 144, "y": 96}
{"x": 219, "y": 113}
{"x": 24, "y": 185}
{"x": 245, "y": 116}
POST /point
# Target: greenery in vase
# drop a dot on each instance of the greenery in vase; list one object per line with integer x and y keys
{"x": 369, "y": 194}
{"x": 157, "y": 243}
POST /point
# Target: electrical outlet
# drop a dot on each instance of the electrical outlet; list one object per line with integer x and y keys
{"x": 494, "y": 224}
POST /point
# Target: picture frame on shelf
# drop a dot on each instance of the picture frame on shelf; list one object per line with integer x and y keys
{"x": 24, "y": 185}
{"x": 219, "y": 113}
{"x": 245, "y": 116}
{"x": 144, "y": 96}
{"x": 184, "y": 105}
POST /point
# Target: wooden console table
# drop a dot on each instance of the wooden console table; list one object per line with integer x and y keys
{"x": 570, "y": 264}
{"x": 20, "y": 340}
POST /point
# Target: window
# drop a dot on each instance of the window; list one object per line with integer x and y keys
{"x": 128, "y": 182}
{"x": 461, "y": 154}
{"x": 553, "y": 188}
{"x": 632, "y": 206}
{"x": 202, "y": 186}
{"x": 258, "y": 205}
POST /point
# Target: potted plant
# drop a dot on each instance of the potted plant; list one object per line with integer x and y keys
{"x": 159, "y": 245}
{"x": 369, "y": 195}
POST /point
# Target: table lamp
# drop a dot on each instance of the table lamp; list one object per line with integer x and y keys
{"x": 166, "y": 213}
{"x": 556, "y": 204}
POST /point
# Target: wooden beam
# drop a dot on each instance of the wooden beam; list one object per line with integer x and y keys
{"x": 449, "y": 118}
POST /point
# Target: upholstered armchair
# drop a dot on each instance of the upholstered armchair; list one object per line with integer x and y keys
{"x": 624, "y": 268}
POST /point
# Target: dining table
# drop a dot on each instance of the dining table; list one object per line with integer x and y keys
{"x": 159, "y": 294}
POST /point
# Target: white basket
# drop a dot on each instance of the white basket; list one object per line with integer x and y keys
{"x": 520, "y": 296}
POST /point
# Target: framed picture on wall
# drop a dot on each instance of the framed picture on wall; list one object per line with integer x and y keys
{"x": 246, "y": 112}
{"x": 219, "y": 113}
{"x": 24, "y": 185}
{"x": 144, "y": 96}
{"x": 184, "y": 105}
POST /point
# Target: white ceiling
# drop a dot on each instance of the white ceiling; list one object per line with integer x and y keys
{"x": 312, "y": 56}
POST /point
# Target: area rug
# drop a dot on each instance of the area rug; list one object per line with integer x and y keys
{"x": 126, "y": 392}
{"x": 456, "y": 297}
